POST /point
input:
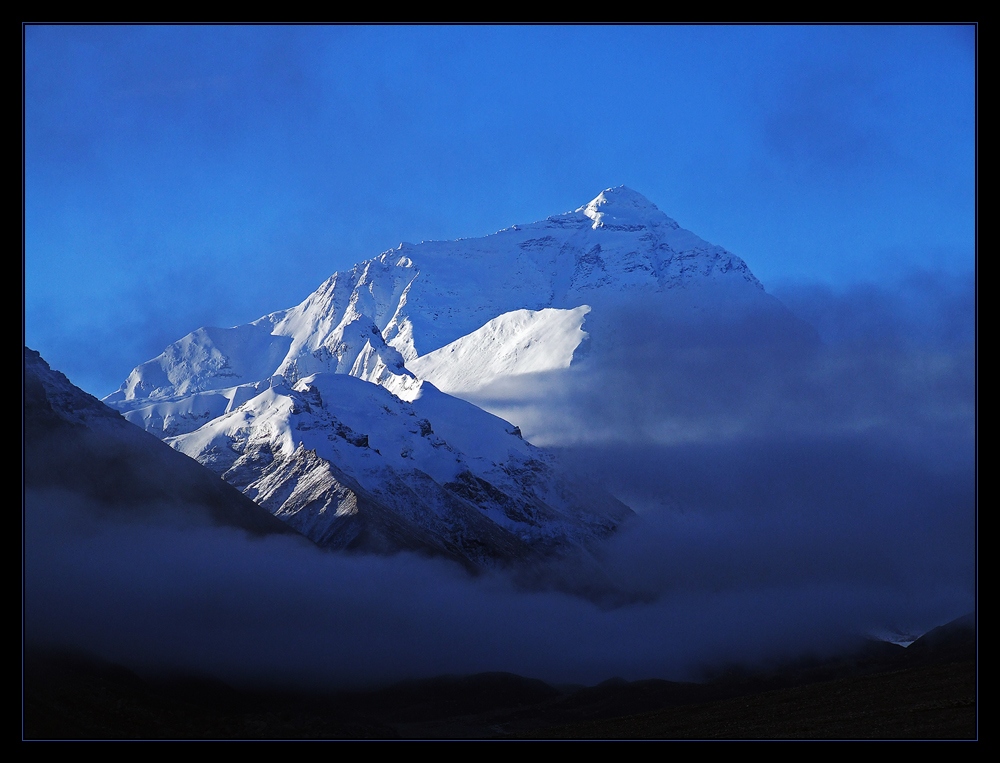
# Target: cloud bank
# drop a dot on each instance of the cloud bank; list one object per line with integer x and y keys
{"x": 791, "y": 495}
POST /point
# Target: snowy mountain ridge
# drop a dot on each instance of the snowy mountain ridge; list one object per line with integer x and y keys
{"x": 409, "y": 301}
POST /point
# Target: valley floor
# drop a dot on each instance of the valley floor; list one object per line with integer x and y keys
{"x": 76, "y": 698}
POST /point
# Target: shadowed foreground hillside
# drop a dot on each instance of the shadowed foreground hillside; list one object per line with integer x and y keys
{"x": 880, "y": 691}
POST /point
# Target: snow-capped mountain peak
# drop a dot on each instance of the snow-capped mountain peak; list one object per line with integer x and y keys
{"x": 267, "y": 404}
{"x": 622, "y": 208}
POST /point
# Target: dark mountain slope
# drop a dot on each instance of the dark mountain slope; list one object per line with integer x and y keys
{"x": 75, "y": 443}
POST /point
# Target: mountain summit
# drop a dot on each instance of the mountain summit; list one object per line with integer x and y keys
{"x": 621, "y": 208}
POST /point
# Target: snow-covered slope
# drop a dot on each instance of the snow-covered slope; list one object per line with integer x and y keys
{"x": 515, "y": 343}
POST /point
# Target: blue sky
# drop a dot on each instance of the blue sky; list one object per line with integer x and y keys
{"x": 180, "y": 176}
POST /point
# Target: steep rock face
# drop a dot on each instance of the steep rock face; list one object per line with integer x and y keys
{"x": 352, "y": 466}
